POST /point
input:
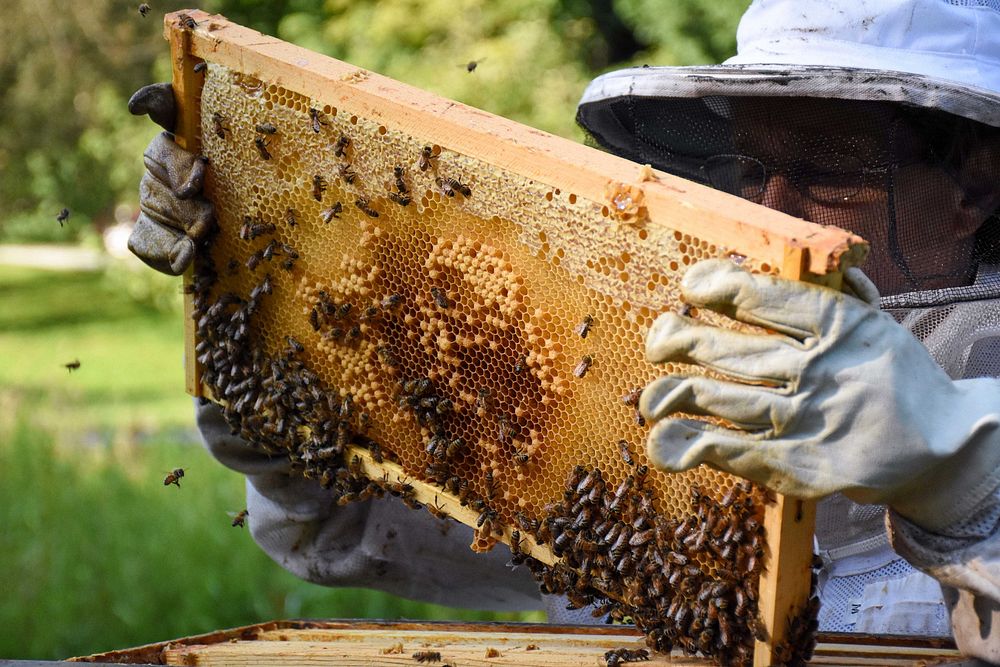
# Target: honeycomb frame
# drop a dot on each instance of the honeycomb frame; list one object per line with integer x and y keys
{"x": 558, "y": 198}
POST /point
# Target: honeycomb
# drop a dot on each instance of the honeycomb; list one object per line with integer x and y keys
{"x": 517, "y": 269}
{"x": 374, "y": 302}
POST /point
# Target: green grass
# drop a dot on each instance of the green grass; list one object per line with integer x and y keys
{"x": 95, "y": 553}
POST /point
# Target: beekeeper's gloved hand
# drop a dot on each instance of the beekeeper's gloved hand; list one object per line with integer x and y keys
{"x": 839, "y": 398}
{"x": 173, "y": 216}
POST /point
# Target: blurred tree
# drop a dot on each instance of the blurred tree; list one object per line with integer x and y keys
{"x": 67, "y": 70}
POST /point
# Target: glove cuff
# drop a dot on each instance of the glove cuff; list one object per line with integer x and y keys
{"x": 954, "y": 486}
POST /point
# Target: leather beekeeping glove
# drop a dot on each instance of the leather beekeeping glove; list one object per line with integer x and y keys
{"x": 838, "y": 398}
{"x": 173, "y": 216}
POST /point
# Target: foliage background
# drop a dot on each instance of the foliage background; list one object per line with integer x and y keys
{"x": 94, "y": 552}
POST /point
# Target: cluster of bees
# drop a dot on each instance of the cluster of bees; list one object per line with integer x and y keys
{"x": 689, "y": 584}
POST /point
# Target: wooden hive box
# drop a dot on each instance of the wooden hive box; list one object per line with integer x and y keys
{"x": 352, "y": 642}
{"x": 412, "y": 296}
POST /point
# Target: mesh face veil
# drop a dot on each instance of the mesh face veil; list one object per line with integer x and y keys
{"x": 873, "y": 168}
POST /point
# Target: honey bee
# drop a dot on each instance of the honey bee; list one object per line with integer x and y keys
{"x": 521, "y": 457}
{"x": 631, "y": 399}
{"x": 400, "y": 183}
{"x": 392, "y": 301}
{"x": 262, "y": 145}
{"x": 484, "y": 400}
{"x": 319, "y": 187}
{"x": 449, "y": 186}
{"x": 316, "y": 116}
{"x": 187, "y": 22}
{"x": 174, "y": 477}
{"x": 376, "y": 451}
{"x": 254, "y": 260}
{"x": 584, "y": 327}
{"x": 200, "y": 67}
{"x": 440, "y": 297}
{"x": 365, "y": 206}
{"x": 144, "y": 9}
{"x": 295, "y": 345}
{"x": 267, "y": 128}
{"x": 251, "y": 230}
{"x": 427, "y": 656}
{"x": 626, "y": 454}
{"x": 521, "y": 366}
{"x": 402, "y": 200}
{"x": 426, "y": 155}
{"x": 386, "y": 357}
{"x": 584, "y": 365}
{"x": 240, "y": 519}
{"x": 72, "y": 366}
{"x": 347, "y": 173}
{"x": 332, "y": 212}
{"x": 218, "y": 125}
{"x": 340, "y": 149}
{"x": 290, "y": 217}
{"x": 493, "y": 653}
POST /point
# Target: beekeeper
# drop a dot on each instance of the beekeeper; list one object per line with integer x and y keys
{"x": 879, "y": 118}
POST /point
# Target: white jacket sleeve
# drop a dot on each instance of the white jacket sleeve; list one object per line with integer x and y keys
{"x": 965, "y": 559}
{"x": 379, "y": 543}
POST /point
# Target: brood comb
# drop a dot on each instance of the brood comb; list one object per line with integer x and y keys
{"x": 410, "y": 296}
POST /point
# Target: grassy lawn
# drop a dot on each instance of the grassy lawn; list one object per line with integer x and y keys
{"x": 94, "y": 552}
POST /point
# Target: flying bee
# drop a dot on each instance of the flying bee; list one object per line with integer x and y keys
{"x": 72, "y": 366}
{"x": 174, "y": 477}
{"x": 427, "y": 656}
{"x": 426, "y": 155}
{"x": 144, "y": 9}
{"x": 319, "y": 187}
{"x": 402, "y": 200}
{"x": 584, "y": 365}
{"x": 341, "y": 148}
{"x": 200, "y": 67}
{"x": 365, "y": 206}
{"x": 583, "y": 328}
{"x": 347, "y": 173}
{"x": 267, "y": 128}
{"x": 240, "y": 519}
{"x": 219, "y": 125}
{"x": 471, "y": 65}
{"x": 440, "y": 297}
{"x": 332, "y": 212}
{"x": 261, "y": 143}
{"x": 316, "y": 116}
